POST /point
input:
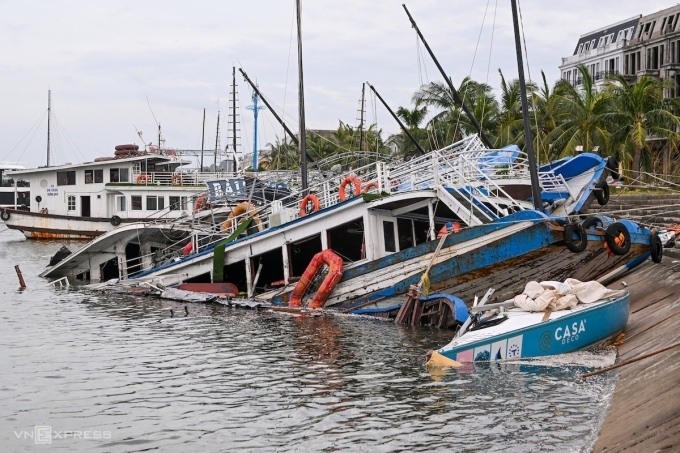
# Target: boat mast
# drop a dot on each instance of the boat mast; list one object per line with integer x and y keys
{"x": 454, "y": 92}
{"x": 301, "y": 99}
{"x": 396, "y": 118}
{"x": 233, "y": 111}
{"x": 49, "y": 115}
{"x": 361, "y": 122}
{"x": 528, "y": 139}
{"x": 217, "y": 138}
{"x": 203, "y": 139}
{"x": 255, "y": 108}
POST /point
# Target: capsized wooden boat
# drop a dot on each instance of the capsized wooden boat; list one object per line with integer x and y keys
{"x": 493, "y": 333}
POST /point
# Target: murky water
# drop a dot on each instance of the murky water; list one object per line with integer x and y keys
{"x": 87, "y": 372}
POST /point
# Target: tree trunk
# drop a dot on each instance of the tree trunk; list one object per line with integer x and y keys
{"x": 637, "y": 157}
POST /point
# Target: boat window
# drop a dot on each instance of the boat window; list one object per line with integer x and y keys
{"x": 406, "y": 236}
{"x": 301, "y": 252}
{"x": 270, "y": 274}
{"x": 178, "y": 203}
{"x": 388, "y": 235}
{"x": 121, "y": 204}
{"x": 99, "y": 176}
{"x": 119, "y": 175}
{"x": 347, "y": 240}
{"x": 136, "y": 202}
{"x": 71, "y": 203}
{"x": 66, "y": 178}
{"x": 89, "y": 176}
{"x": 155, "y": 203}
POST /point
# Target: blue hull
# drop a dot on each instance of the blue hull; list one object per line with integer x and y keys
{"x": 577, "y": 329}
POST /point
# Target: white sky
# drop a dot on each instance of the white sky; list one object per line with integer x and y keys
{"x": 103, "y": 60}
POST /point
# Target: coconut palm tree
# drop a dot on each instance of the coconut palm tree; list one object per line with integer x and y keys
{"x": 638, "y": 113}
{"x": 579, "y": 115}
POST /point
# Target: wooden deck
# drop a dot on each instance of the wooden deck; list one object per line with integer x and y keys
{"x": 645, "y": 412}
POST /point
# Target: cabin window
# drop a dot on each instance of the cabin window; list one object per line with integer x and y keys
{"x": 136, "y": 202}
{"x": 66, "y": 178}
{"x": 71, "y": 202}
{"x": 301, "y": 252}
{"x": 121, "y": 203}
{"x": 388, "y": 235}
{"x": 89, "y": 176}
{"x": 347, "y": 240}
{"x": 94, "y": 176}
{"x": 155, "y": 203}
{"x": 178, "y": 203}
{"x": 119, "y": 175}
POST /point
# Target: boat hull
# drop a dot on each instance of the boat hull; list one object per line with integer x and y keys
{"x": 526, "y": 335}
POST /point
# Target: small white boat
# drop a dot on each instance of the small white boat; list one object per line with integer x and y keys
{"x": 495, "y": 332}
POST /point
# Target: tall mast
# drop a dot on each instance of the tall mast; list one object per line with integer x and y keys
{"x": 49, "y": 116}
{"x": 528, "y": 138}
{"x": 203, "y": 139}
{"x": 233, "y": 111}
{"x": 454, "y": 92}
{"x": 217, "y": 138}
{"x": 361, "y": 122}
{"x": 255, "y": 108}
{"x": 301, "y": 99}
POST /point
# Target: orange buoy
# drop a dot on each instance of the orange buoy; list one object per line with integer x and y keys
{"x": 242, "y": 208}
{"x": 372, "y": 185}
{"x": 142, "y": 178}
{"x": 176, "y": 179}
{"x": 304, "y": 204}
{"x": 356, "y": 182}
{"x": 334, "y": 263}
{"x": 200, "y": 203}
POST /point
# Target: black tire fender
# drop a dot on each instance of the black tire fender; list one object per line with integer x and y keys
{"x": 612, "y": 233}
{"x": 115, "y": 220}
{"x": 656, "y": 248}
{"x": 578, "y": 244}
{"x": 602, "y": 193}
{"x": 5, "y": 215}
{"x": 591, "y": 222}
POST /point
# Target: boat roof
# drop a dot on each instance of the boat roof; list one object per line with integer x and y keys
{"x": 104, "y": 163}
{"x": 4, "y": 166}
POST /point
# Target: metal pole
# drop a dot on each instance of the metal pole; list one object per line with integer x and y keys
{"x": 301, "y": 99}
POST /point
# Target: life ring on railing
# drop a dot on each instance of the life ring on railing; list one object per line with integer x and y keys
{"x": 335, "y": 264}
{"x": 238, "y": 210}
{"x": 4, "y": 215}
{"x": 617, "y": 239}
{"x": 575, "y": 237}
{"x": 304, "y": 204}
{"x": 356, "y": 182}
{"x": 602, "y": 193}
{"x": 115, "y": 220}
{"x": 656, "y": 248}
{"x": 143, "y": 178}
{"x": 176, "y": 179}
{"x": 188, "y": 248}
{"x": 200, "y": 203}
{"x": 371, "y": 185}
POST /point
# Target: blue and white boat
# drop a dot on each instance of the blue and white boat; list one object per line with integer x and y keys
{"x": 499, "y": 334}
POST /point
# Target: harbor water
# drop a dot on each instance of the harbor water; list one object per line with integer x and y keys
{"x": 95, "y": 372}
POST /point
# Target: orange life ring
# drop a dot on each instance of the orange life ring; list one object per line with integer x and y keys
{"x": 304, "y": 204}
{"x": 200, "y": 203}
{"x": 176, "y": 179}
{"x": 353, "y": 180}
{"x": 334, "y": 262}
{"x": 371, "y": 185}
{"x": 240, "y": 209}
{"x": 188, "y": 248}
{"x": 143, "y": 178}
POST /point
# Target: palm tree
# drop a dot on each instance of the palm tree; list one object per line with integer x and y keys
{"x": 639, "y": 112}
{"x": 412, "y": 118}
{"x": 579, "y": 115}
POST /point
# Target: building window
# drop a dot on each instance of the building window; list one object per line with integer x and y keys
{"x": 119, "y": 175}
{"x": 89, "y": 176}
{"x": 136, "y": 202}
{"x": 178, "y": 203}
{"x": 71, "y": 201}
{"x": 66, "y": 178}
{"x": 121, "y": 203}
{"x": 155, "y": 203}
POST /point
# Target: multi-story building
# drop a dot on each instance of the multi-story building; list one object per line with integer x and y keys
{"x": 639, "y": 46}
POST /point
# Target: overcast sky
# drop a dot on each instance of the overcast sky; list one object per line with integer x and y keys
{"x": 118, "y": 67}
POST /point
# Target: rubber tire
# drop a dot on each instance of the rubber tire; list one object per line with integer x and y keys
{"x": 591, "y": 222}
{"x": 5, "y": 215}
{"x": 602, "y": 195}
{"x": 610, "y": 235}
{"x": 656, "y": 248}
{"x": 115, "y": 220}
{"x": 579, "y": 244}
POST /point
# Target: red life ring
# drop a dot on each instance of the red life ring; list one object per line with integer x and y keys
{"x": 353, "y": 180}
{"x": 372, "y": 185}
{"x": 304, "y": 204}
{"x": 186, "y": 250}
{"x": 199, "y": 203}
{"x": 334, "y": 262}
{"x": 143, "y": 178}
{"x": 176, "y": 179}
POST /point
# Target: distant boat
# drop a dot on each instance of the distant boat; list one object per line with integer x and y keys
{"x": 12, "y": 195}
{"x": 494, "y": 333}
